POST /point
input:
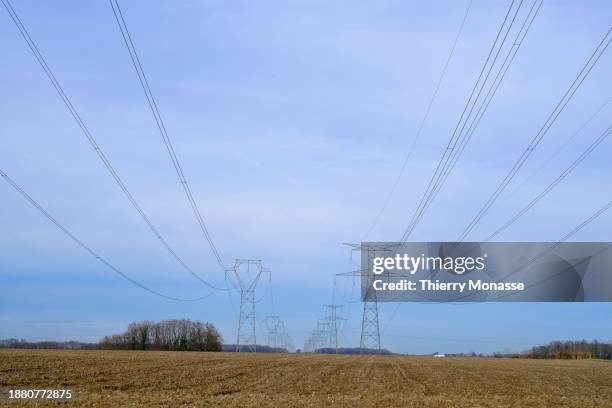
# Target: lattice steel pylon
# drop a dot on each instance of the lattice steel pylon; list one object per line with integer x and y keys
{"x": 370, "y": 328}
{"x": 247, "y": 273}
{"x": 274, "y": 329}
{"x": 332, "y": 318}
{"x": 322, "y": 334}
{"x": 278, "y": 337}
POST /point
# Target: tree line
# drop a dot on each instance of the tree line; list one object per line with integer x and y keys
{"x": 572, "y": 350}
{"x": 174, "y": 334}
{"x": 65, "y": 345}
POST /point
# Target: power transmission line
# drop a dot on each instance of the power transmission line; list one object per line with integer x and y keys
{"x": 423, "y": 121}
{"x": 499, "y": 77}
{"x": 80, "y": 243}
{"x": 542, "y": 194}
{"x": 144, "y": 83}
{"x": 437, "y": 178}
{"x": 552, "y": 185}
{"x": 550, "y": 120}
{"x": 532, "y": 260}
{"x": 154, "y": 107}
{"x": 594, "y": 144}
{"x": 92, "y": 141}
{"x": 585, "y": 260}
{"x": 455, "y": 154}
{"x": 452, "y": 153}
{"x": 563, "y": 145}
{"x": 563, "y": 239}
{"x": 414, "y": 141}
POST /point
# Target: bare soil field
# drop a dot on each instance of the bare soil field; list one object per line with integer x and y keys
{"x": 164, "y": 379}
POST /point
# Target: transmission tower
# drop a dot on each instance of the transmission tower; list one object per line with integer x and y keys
{"x": 332, "y": 318}
{"x": 288, "y": 341}
{"x": 274, "y": 328}
{"x": 247, "y": 273}
{"x": 322, "y": 333}
{"x": 370, "y": 331}
{"x": 283, "y": 337}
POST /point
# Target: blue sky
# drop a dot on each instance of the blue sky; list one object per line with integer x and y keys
{"x": 291, "y": 120}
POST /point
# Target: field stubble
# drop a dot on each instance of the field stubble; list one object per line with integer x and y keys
{"x": 133, "y": 378}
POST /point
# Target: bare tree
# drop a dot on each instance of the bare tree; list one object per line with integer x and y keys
{"x": 179, "y": 335}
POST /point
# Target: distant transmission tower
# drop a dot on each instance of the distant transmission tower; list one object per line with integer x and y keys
{"x": 286, "y": 341}
{"x": 247, "y": 273}
{"x": 323, "y": 334}
{"x": 278, "y": 336}
{"x": 332, "y": 318}
{"x": 274, "y": 327}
